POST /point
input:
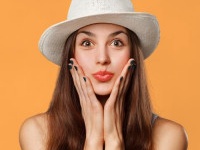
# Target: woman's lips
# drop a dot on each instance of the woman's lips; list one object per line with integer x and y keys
{"x": 103, "y": 76}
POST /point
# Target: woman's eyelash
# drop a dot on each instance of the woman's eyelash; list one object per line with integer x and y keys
{"x": 117, "y": 42}
{"x": 86, "y": 43}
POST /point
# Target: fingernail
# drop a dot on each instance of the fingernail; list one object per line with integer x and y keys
{"x": 76, "y": 68}
{"x": 69, "y": 67}
{"x": 133, "y": 62}
{"x": 133, "y": 67}
{"x": 84, "y": 78}
{"x": 121, "y": 78}
{"x": 71, "y": 62}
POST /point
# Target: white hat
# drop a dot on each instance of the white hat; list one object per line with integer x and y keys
{"x": 85, "y": 12}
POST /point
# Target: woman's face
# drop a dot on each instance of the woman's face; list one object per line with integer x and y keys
{"x": 102, "y": 50}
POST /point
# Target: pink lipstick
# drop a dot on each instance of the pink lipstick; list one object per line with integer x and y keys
{"x": 103, "y": 76}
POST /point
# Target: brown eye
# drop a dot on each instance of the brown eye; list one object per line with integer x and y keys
{"x": 117, "y": 43}
{"x": 86, "y": 43}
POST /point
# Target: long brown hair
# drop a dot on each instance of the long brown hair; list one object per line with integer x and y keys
{"x": 66, "y": 125}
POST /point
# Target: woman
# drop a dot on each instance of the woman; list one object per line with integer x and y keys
{"x": 101, "y": 99}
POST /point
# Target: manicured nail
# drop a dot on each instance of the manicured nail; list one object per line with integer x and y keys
{"x": 133, "y": 67}
{"x": 69, "y": 67}
{"x": 71, "y": 62}
{"x": 133, "y": 62}
{"x": 84, "y": 78}
{"x": 76, "y": 68}
{"x": 121, "y": 78}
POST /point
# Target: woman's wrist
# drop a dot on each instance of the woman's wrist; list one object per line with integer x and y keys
{"x": 91, "y": 144}
{"x": 114, "y": 145}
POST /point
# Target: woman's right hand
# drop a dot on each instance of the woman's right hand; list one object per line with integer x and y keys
{"x": 92, "y": 109}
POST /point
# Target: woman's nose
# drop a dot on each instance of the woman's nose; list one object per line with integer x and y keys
{"x": 102, "y": 56}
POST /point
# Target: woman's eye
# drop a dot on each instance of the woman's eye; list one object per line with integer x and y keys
{"x": 117, "y": 43}
{"x": 86, "y": 43}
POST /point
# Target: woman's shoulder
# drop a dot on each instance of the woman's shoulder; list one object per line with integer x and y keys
{"x": 168, "y": 134}
{"x": 33, "y": 132}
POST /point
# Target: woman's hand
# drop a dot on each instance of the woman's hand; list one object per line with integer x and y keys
{"x": 92, "y": 109}
{"x": 113, "y": 110}
{"x": 102, "y": 125}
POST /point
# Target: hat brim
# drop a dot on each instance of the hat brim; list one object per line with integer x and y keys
{"x": 145, "y": 25}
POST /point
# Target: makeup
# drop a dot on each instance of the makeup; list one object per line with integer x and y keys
{"x": 103, "y": 76}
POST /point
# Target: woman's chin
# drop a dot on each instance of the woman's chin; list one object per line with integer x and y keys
{"x": 103, "y": 88}
{"x": 102, "y": 92}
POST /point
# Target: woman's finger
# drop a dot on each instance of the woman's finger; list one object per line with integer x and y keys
{"x": 85, "y": 88}
{"x": 75, "y": 78}
{"x": 77, "y": 75}
{"x": 120, "y": 80}
{"x": 116, "y": 99}
{"x": 125, "y": 82}
{"x": 86, "y": 85}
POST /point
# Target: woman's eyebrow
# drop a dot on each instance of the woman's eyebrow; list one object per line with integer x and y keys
{"x": 87, "y": 33}
{"x": 117, "y": 33}
{"x": 110, "y": 35}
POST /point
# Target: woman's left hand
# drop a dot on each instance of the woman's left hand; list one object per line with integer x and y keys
{"x": 113, "y": 117}
{"x": 91, "y": 108}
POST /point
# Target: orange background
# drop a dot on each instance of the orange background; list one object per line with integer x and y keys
{"x": 27, "y": 80}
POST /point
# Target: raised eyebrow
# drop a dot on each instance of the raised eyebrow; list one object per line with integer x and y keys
{"x": 87, "y": 33}
{"x": 117, "y": 33}
{"x": 111, "y": 35}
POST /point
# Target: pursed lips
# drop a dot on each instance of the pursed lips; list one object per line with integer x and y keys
{"x": 103, "y": 76}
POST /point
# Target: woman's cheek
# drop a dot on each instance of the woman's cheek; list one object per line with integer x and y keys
{"x": 119, "y": 65}
{"x": 86, "y": 66}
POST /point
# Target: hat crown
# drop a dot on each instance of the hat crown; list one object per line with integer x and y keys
{"x": 82, "y": 8}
